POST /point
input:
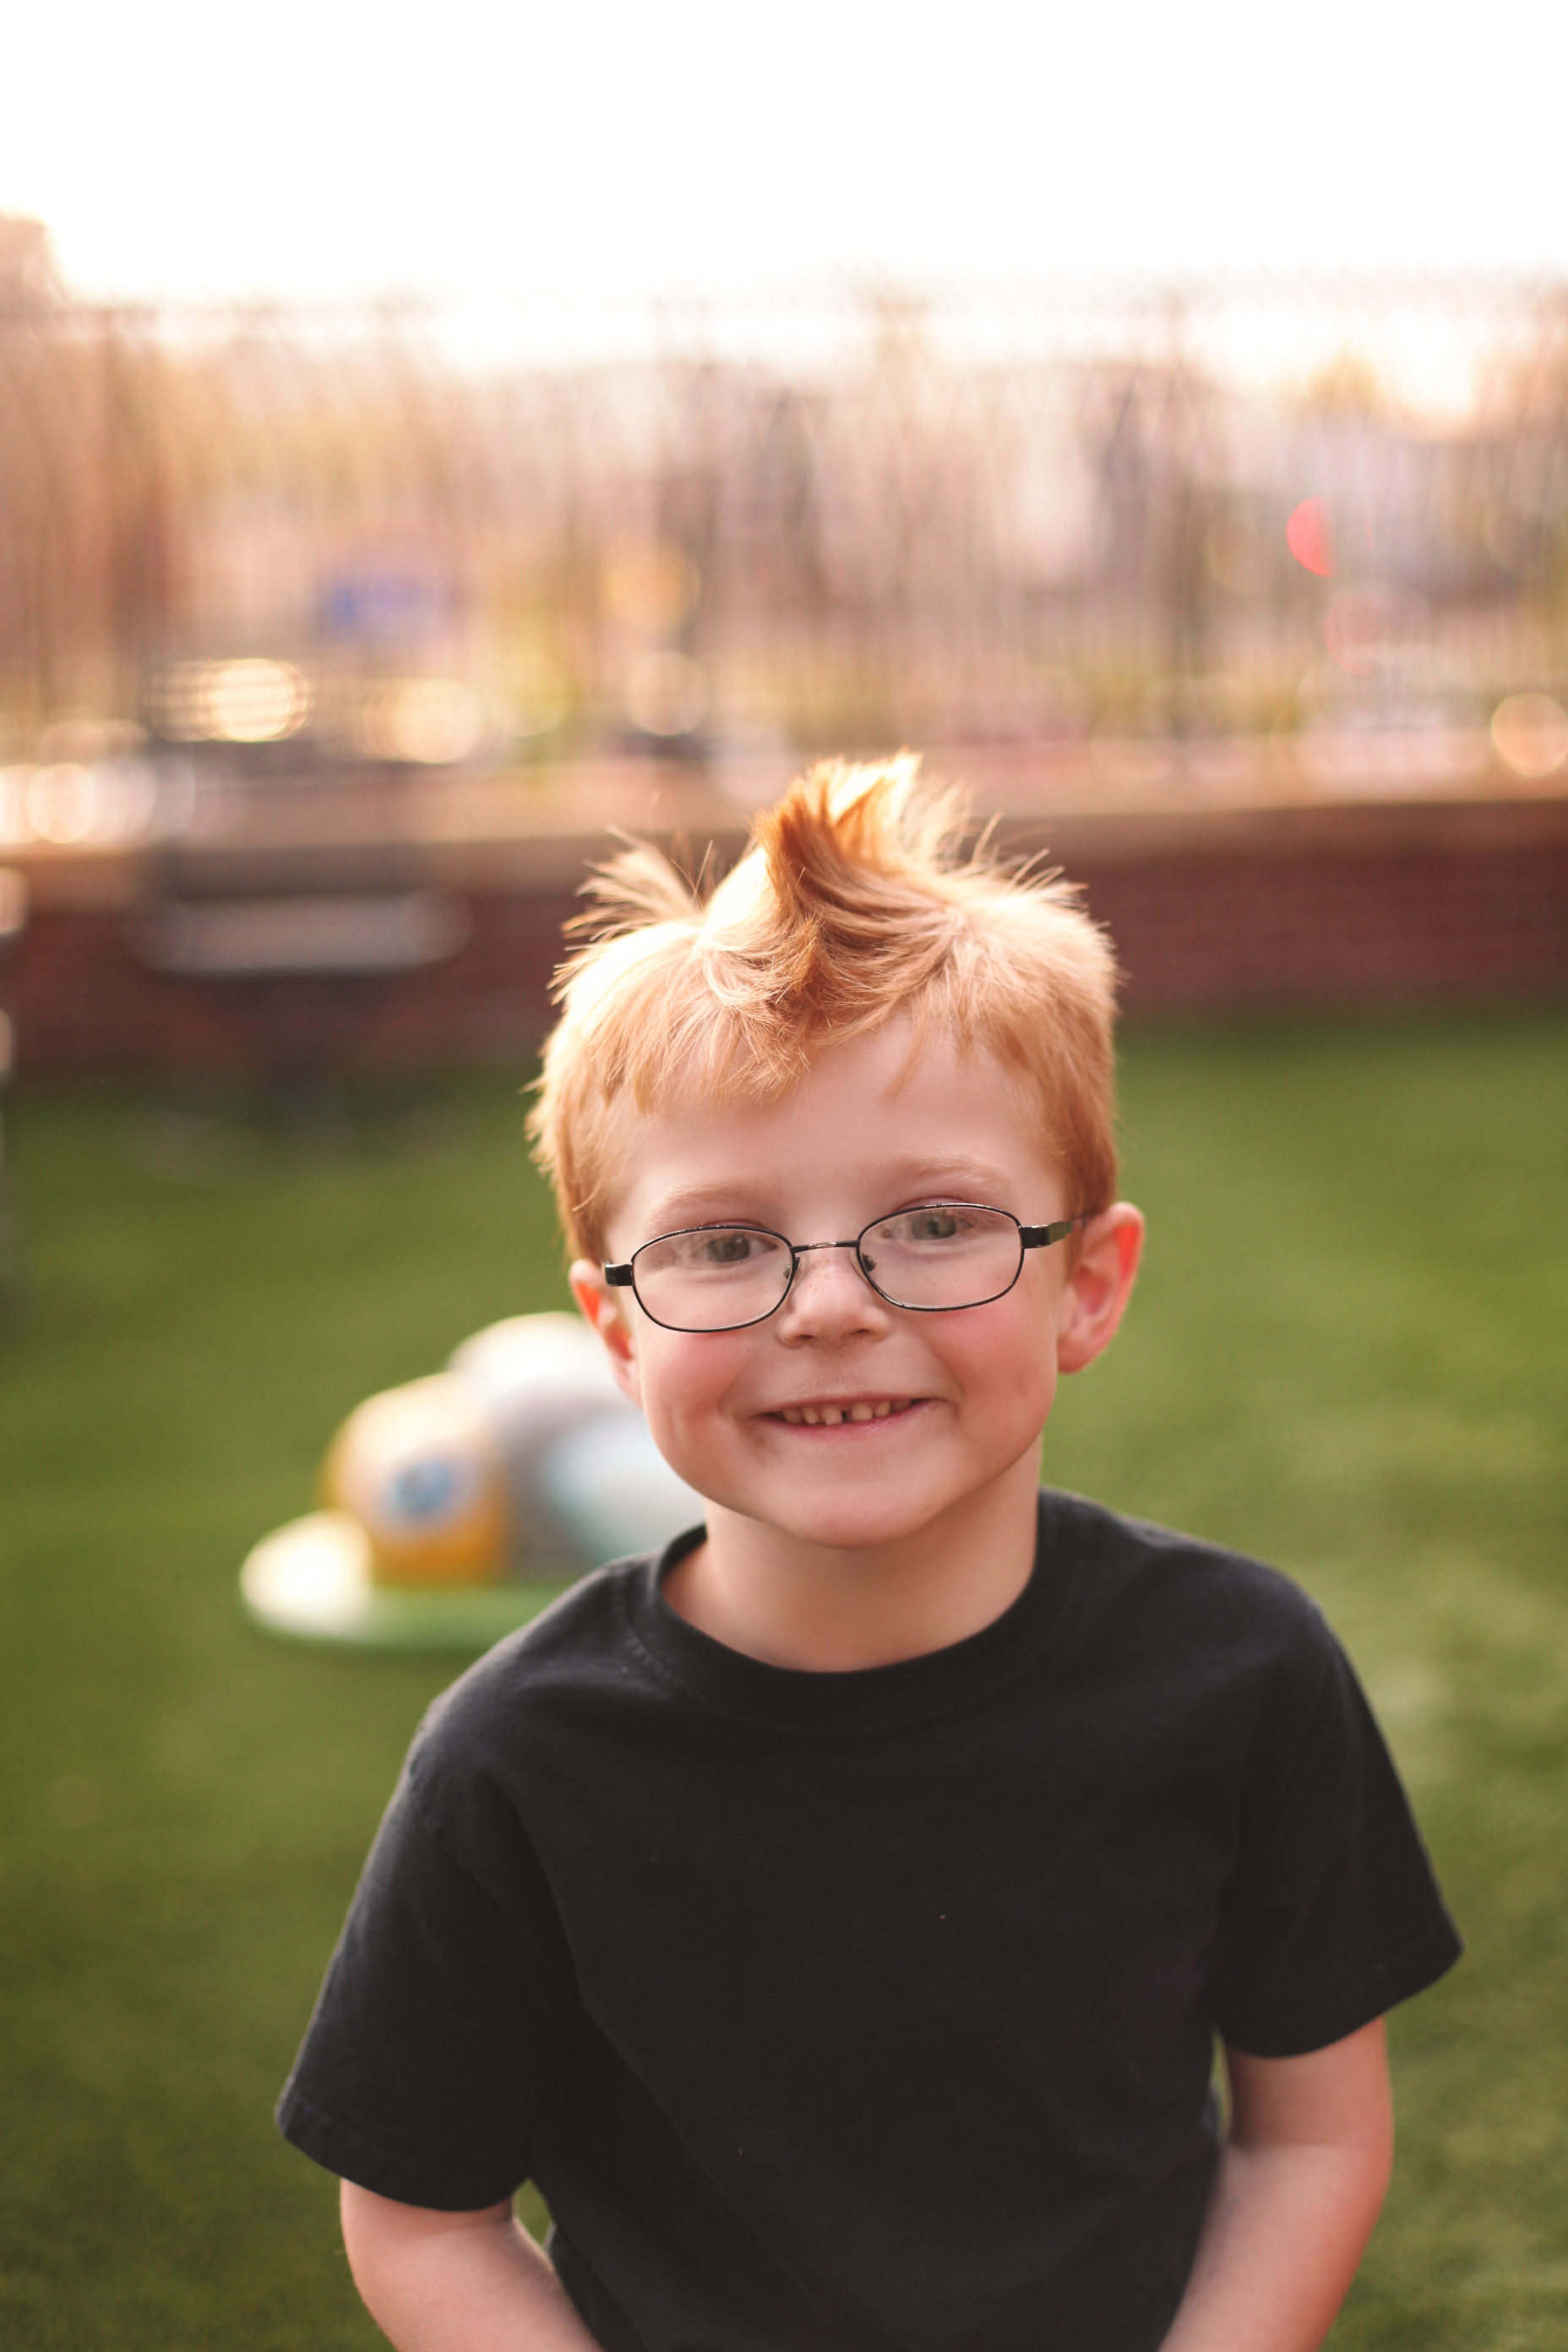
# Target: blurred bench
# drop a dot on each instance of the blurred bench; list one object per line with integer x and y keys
{"x": 333, "y": 936}
{"x": 298, "y": 949}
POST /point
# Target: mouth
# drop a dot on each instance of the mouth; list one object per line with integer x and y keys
{"x": 834, "y": 1413}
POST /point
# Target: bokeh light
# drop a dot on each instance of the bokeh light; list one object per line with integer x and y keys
{"x": 1530, "y": 734}
{"x": 667, "y": 694}
{"x": 245, "y": 701}
{"x": 430, "y": 721}
{"x": 1309, "y": 536}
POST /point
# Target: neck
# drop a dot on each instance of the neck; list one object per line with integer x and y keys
{"x": 829, "y": 1609}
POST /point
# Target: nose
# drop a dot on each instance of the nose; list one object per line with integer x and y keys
{"x": 831, "y": 1299}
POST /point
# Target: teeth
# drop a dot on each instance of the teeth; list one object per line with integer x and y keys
{"x": 828, "y": 1416}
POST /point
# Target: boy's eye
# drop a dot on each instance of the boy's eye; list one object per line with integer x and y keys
{"x": 932, "y": 1224}
{"x": 732, "y": 1248}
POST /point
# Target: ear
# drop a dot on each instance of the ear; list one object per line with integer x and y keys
{"x": 1100, "y": 1286}
{"x": 602, "y": 1308}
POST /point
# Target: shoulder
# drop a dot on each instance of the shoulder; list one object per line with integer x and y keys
{"x": 1119, "y": 1561}
{"x": 536, "y": 1731}
{"x": 1221, "y": 1667}
{"x": 1176, "y": 1606}
{"x": 579, "y": 1649}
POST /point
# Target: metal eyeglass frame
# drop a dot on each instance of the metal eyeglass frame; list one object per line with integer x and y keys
{"x": 1030, "y": 1237}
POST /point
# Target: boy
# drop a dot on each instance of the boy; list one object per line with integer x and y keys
{"x": 834, "y": 1917}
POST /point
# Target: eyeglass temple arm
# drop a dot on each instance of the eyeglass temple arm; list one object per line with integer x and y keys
{"x": 1041, "y": 1236}
{"x": 619, "y": 1277}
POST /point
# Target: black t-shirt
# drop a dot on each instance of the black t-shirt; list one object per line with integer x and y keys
{"x": 870, "y": 2009}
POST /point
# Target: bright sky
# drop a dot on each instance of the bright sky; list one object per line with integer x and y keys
{"x": 317, "y": 149}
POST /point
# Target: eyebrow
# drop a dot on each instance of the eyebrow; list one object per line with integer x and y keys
{"x": 708, "y": 1204}
{"x": 957, "y": 1164}
{"x": 698, "y": 1206}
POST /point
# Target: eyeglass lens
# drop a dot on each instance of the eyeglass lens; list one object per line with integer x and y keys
{"x": 718, "y": 1278}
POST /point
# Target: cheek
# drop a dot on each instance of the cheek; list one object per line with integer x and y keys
{"x": 1008, "y": 1368}
{"x": 682, "y": 1380}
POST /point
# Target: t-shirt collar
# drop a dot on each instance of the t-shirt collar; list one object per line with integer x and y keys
{"x": 909, "y": 1690}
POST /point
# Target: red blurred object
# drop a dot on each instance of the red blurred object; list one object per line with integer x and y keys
{"x": 1309, "y": 536}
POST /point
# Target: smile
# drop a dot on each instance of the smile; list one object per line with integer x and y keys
{"x": 828, "y": 1416}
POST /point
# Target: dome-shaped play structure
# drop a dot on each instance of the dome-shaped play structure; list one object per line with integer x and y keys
{"x": 456, "y": 1504}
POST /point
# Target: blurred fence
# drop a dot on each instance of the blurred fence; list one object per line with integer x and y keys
{"x": 1327, "y": 512}
{"x": 333, "y": 631}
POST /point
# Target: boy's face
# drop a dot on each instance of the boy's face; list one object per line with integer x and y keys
{"x": 968, "y": 1391}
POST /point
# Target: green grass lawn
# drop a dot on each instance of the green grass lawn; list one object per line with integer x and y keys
{"x": 1347, "y": 1354}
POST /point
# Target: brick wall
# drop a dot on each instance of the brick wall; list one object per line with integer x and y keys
{"x": 1255, "y": 930}
{"x": 1237, "y": 911}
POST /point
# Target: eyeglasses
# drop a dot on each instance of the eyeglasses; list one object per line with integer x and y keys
{"x": 933, "y": 1259}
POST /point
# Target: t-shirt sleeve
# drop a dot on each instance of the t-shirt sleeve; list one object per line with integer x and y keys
{"x": 1332, "y": 1915}
{"x": 436, "y": 2035}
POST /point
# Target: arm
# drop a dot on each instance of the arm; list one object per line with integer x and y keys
{"x": 456, "y": 2282}
{"x": 1299, "y": 2186}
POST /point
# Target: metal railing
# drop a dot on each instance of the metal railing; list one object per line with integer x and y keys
{"x": 319, "y": 538}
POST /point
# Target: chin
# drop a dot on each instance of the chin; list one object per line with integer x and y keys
{"x": 851, "y": 1524}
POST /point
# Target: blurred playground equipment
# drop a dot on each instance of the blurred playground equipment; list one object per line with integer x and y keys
{"x": 457, "y": 1503}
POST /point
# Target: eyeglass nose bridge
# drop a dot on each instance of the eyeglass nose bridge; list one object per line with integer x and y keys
{"x": 797, "y": 1249}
